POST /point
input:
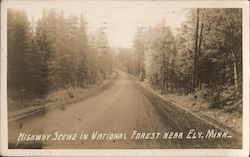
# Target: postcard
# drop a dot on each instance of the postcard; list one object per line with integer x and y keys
{"x": 124, "y": 78}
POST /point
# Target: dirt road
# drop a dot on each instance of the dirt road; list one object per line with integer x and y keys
{"x": 122, "y": 108}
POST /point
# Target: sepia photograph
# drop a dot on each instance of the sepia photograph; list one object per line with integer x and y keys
{"x": 112, "y": 75}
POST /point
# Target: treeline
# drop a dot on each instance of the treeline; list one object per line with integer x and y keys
{"x": 53, "y": 52}
{"x": 203, "y": 56}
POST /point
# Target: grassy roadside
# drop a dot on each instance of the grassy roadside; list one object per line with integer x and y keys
{"x": 232, "y": 120}
{"x": 59, "y": 97}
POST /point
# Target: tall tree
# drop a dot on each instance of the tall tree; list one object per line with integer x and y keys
{"x": 139, "y": 53}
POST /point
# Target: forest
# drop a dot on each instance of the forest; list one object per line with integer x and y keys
{"x": 203, "y": 57}
{"x": 53, "y": 53}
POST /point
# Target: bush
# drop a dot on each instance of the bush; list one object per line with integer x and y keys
{"x": 220, "y": 97}
{"x": 37, "y": 102}
{"x": 70, "y": 94}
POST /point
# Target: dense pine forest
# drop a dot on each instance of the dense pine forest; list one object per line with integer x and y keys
{"x": 53, "y": 53}
{"x": 203, "y": 57}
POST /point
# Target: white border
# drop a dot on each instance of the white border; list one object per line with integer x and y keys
{"x": 4, "y": 151}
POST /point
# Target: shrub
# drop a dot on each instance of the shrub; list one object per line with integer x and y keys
{"x": 220, "y": 97}
{"x": 37, "y": 102}
{"x": 70, "y": 94}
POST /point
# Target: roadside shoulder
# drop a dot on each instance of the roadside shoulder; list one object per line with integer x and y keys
{"x": 208, "y": 119}
{"x": 63, "y": 99}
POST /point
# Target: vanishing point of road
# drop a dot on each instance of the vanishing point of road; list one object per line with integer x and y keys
{"x": 122, "y": 107}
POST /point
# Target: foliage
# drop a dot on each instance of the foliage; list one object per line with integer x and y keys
{"x": 53, "y": 52}
{"x": 203, "y": 56}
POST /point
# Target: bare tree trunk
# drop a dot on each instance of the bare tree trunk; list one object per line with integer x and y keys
{"x": 171, "y": 76}
{"x": 235, "y": 71}
{"x": 198, "y": 70}
{"x": 196, "y": 51}
{"x": 163, "y": 64}
{"x": 167, "y": 74}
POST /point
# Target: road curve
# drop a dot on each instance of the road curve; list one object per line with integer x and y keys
{"x": 123, "y": 107}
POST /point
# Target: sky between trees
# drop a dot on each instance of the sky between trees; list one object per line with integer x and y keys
{"x": 121, "y": 19}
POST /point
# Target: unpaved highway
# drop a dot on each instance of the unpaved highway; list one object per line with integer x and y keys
{"x": 123, "y": 107}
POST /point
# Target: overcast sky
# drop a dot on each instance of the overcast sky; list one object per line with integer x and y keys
{"x": 121, "y": 17}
